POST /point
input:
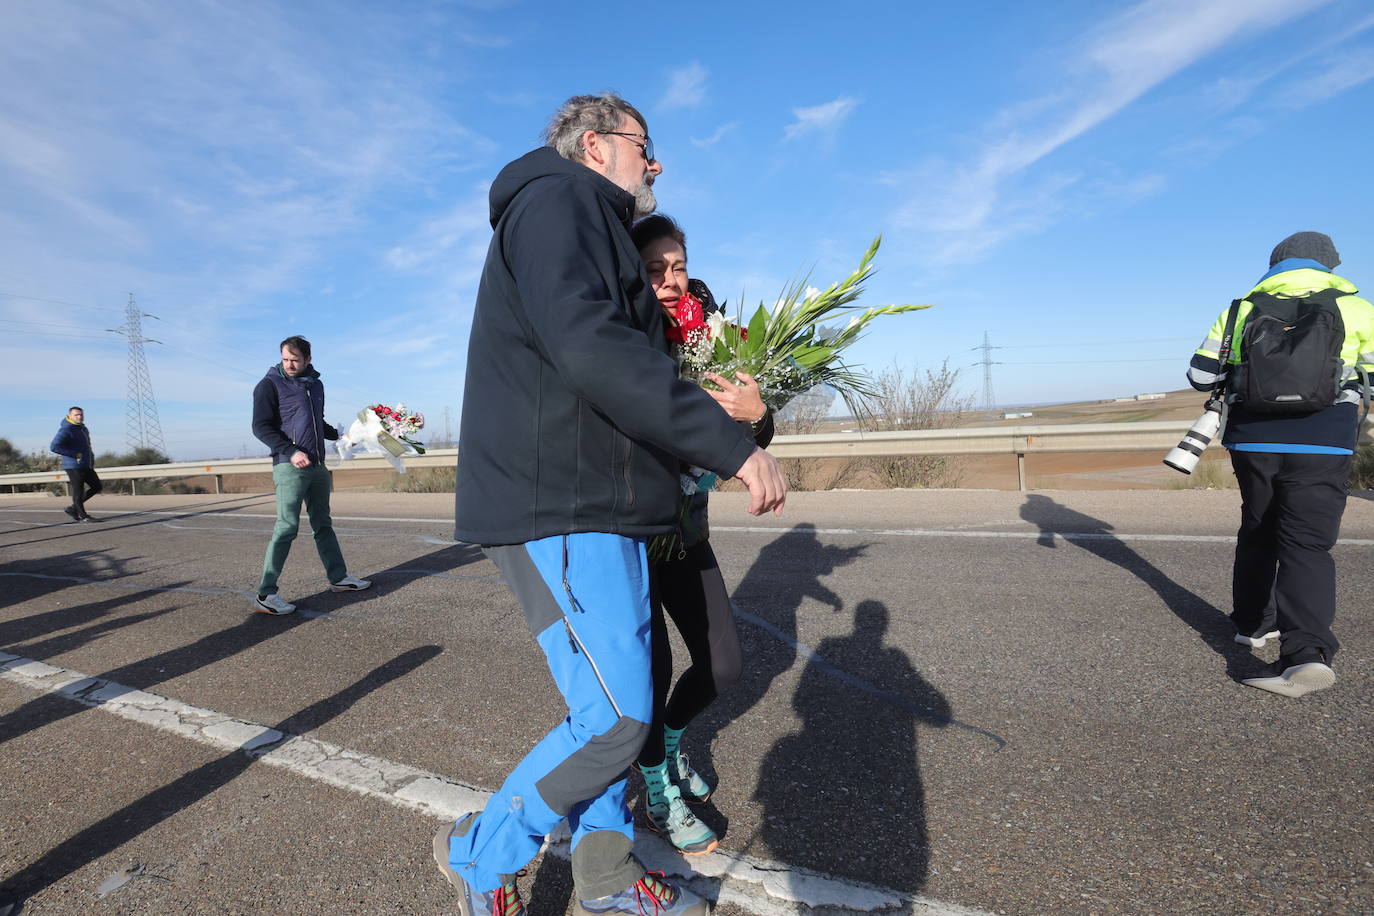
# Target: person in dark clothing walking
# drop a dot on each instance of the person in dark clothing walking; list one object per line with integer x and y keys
{"x": 687, "y": 584}
{"x": 73, "y": 443}
{"x": 574, "y": 424}
{"x": 288, "y": 417}
{"x": 1292, "y": 468}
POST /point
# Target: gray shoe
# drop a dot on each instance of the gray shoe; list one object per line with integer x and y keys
{"x": 503, "y": 901}
{"x": 694, "y": 789}
{"x": 650, "y": 896}
{"x": 676, "y": 823}
{"x": 1296, "y": 680}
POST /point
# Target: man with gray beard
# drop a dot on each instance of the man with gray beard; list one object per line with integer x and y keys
{"x": 574, "y": 426}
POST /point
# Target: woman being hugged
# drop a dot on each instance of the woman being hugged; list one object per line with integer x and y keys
{"x": 687, "y": 584}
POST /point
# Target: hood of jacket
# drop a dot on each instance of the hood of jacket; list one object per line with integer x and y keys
{"x": 275, "y": 371}
{"x": 1303, "y": 281}
{"x": 545, "y": 163}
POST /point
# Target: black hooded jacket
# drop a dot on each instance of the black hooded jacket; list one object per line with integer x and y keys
{"x": 574, "y": 417}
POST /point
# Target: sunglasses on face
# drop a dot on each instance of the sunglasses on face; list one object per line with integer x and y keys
{"x": 646, "y": 148}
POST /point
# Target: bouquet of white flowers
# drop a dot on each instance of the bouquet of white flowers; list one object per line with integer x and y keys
{"x": 385, "y": 431}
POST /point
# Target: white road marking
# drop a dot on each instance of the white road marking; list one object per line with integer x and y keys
{"x": 766, "y": 888}
{"x": 1017, "y": 535}
{"x": 1033, "y": 534}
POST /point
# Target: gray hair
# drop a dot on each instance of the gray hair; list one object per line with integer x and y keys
{"x": 582, "y": 113}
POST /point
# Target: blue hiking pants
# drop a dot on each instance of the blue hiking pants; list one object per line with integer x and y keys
{"x": 586, "y": 600}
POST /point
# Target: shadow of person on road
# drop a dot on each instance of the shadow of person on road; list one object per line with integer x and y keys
{"x": 786, "y": 573}
{"x": 121, "y": 826}
{"x": 112, "y": 521}
{"x": 215, "y": 647}
{"x": 844, "y": 795}
{"x": 437, "y": 563}
{"x": 1097, "y": 537}
{"x": 66, "y": 642}
{"x": 32, "y": 579}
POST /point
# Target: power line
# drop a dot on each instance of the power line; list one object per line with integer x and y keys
{"x": 1093, "y": 362}
{"x": 44, "y": 324}
{"x": 55, "y": 334}
{"x": 100, "y": 308}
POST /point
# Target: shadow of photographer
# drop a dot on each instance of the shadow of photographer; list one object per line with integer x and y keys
{"x": 844, "y": 794}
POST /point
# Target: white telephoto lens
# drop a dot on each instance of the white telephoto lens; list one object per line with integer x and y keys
{"x": 1184, "y": 456}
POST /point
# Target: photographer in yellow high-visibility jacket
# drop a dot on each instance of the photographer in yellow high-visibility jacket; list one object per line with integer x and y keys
{"x": 1302, "y": 351}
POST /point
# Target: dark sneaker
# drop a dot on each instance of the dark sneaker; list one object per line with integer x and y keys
{"x": 1295, "y": 680}
{"x": 650, "y": 896}
{"x": 1258, "y": 638}
{"x": 72, "y": 513}
{"x": 503, "y": 901}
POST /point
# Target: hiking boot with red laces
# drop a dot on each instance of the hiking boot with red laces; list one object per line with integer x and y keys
{"x": 650, "y": 896}
{"x": 503, "y": 901}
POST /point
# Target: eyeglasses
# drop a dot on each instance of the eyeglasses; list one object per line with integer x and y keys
{"x": 647, "y": 147}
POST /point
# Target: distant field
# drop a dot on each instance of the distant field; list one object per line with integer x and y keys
{"x": 1175, "y": 405}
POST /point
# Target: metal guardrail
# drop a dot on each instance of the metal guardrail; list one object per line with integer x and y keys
{"x": 986, "y": 440}
{"x": 990, "y": 440}
{"x": 442, "y": 457}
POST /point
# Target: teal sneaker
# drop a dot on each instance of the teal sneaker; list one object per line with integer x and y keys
{"x": 503, "y": 901}
{"x": 694, "y": 789}
{"x": 676, "y": 823}
{"x": 650, "y": 896}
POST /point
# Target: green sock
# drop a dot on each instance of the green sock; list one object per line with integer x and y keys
{"x": 671, "y": 738}
{"x": 656, "y": 781}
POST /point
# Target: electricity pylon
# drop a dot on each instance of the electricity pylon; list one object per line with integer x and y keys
{"x": 987, "y": 364}
{"x": 142, "y": 427}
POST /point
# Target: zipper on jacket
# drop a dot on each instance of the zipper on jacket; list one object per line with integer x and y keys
{"x": 625, "y": 471}
{"x": 319, "y": 433}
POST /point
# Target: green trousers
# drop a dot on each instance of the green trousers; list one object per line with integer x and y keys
{"x": 309, "y": 485}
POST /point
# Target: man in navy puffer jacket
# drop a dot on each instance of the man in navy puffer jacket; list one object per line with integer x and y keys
{"x": 288, "y": 417}
{"x": 73, "y": 443}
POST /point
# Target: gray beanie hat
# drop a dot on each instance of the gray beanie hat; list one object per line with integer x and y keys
{"x": 1315, "y": 246}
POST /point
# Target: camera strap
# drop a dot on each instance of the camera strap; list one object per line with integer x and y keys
{"x": 1224, "y": 353}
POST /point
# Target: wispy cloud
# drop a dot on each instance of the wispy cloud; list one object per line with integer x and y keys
{"x": 977, "y": 206}
{"x": 686, "y": 87}
{"x": 820, "y": 118}
{"x": 1336, "y": 76}
{"x": 456, "y": 240}
{"x": 707, "y": 142}
{"x": 226, "y": 162}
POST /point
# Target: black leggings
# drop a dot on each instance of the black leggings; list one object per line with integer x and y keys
{"x": 77, "y": 478}
{"x": 693, "y": 593}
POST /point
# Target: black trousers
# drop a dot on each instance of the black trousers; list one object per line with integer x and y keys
{"x": 692, "y": 592}
{"x": 1284, "y": 575}
{"x": 79, "y": 479}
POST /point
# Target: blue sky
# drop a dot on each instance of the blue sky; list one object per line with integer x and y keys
{"x": 1087, "y": 182}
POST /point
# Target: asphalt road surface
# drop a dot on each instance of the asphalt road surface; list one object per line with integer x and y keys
{"x": 954, "y": 702}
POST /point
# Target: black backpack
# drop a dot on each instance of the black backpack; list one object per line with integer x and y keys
{"x": 1290, "y": 352}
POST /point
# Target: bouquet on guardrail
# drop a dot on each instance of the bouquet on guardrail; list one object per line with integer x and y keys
{"x": 786, "y": 349}
{"x": 385, "y": 431}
